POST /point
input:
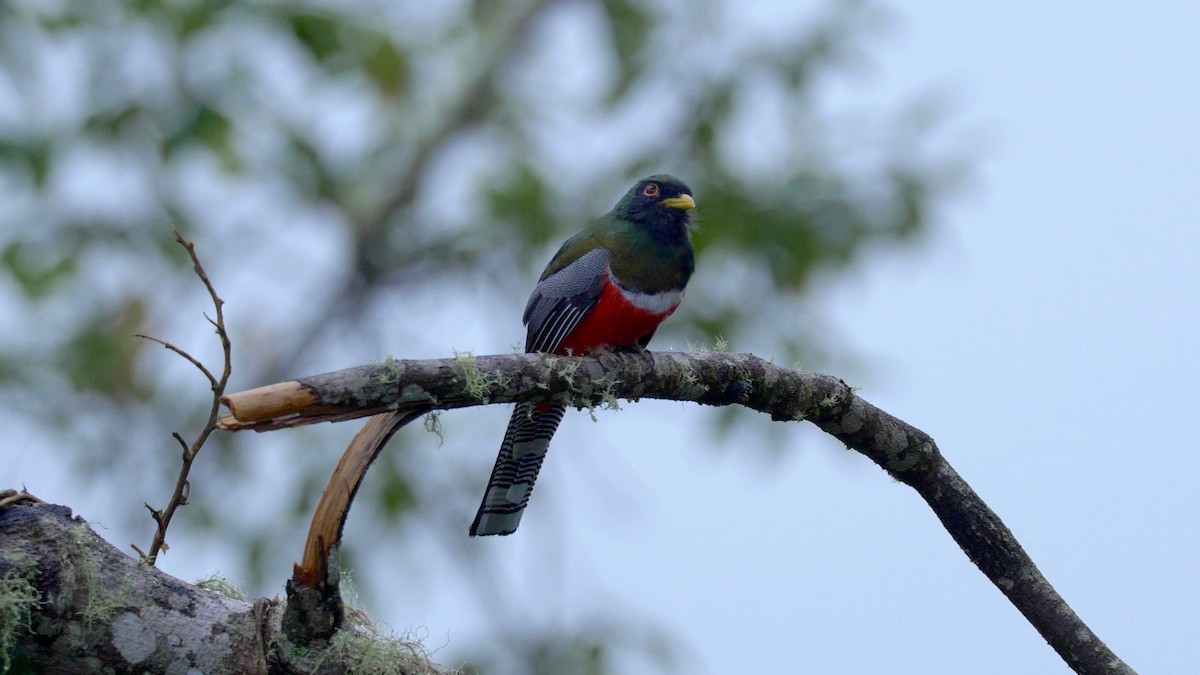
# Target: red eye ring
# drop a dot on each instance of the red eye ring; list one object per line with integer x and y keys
{"x": 650, "y": 190}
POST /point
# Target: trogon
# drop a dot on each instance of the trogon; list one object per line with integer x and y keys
{"x": 609, "y": 286}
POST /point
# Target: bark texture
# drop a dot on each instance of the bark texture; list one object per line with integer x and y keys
{"x": 99, "y": 610}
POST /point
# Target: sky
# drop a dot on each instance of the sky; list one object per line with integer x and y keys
{"x": 1042, "y": 332}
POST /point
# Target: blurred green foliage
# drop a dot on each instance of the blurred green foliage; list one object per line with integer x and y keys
{"x": 332, "y": 159}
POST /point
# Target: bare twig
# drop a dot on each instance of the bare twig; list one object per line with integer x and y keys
{"x": 191, "y": 359}
{"x": 182, "y": 487}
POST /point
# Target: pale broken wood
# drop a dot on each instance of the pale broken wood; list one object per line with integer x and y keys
{"x": 273, "y": 399}
{"x": 329, "y": 518}
{"x": 315, "y": 609}
{"x": 331, "y": 397}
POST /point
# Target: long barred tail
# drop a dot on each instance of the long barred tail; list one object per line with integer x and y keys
{"x": 521, "y": 454}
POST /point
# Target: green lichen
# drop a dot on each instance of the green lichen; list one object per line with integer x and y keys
{"x": 18, "y": 598}
{"x": 433, "y": 424}
{"x": 564, "y": 368}
{"x": 607, "y": 392}
{"x": 720, "y": 345}
{"x": 221, "y": 586}
{"x": 393, "y": 371}
{"x": 687, "y": 372}
{"x": 98, "y": 607}
{"x": 476, "y": 383}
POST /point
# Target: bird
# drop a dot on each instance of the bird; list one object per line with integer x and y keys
{"x": 607, "y": 287}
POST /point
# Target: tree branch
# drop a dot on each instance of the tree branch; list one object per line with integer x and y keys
{"x": 85, "y": 606}
{"x": 905, "y": 452}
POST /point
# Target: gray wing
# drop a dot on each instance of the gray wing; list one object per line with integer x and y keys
{"x": 560, "y": 301}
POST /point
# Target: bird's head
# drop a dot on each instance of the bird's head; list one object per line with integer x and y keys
{"x": 658, "y": 199}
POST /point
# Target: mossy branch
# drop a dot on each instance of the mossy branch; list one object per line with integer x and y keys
{"x": 905, "y": 452}
{"x": 71, "y": 603}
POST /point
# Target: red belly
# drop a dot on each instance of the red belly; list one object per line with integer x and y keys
{"x": 613, "y": 323}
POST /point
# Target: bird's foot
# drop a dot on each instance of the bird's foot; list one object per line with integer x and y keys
{"x": 637, "y": 349}
{"x": 624, "y": 355}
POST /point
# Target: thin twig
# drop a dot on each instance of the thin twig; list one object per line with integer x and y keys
{"x": 191, "y": 359}
{"x": 182, "y": 487}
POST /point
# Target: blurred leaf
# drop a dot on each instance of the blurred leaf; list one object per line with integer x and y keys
{"x": 485, "y": 11}
{"x": 13, "y": 371}
{"x": 711, "y": 115}
{"x": 522, "y": 200}
{"x": 37, "y": 269}
{"x": 110, "y": 123}
{"x": 101, "y": 356}
{"x": 913, "y": 196}
{"x": 33, "y": 153}
{"x": 64, "y": 18}
{"x": 629, "y": 28}
{"x": 192, "y": 17}
{"x": 396, "y": 497}
{"x": 211, "y": 128}
{"x": 388, "y": 68}
{"x": 318, "y": 33}
{"x": 307, "y": 168}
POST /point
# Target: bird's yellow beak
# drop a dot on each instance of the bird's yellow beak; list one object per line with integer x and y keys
{"x": 682, "y": 202}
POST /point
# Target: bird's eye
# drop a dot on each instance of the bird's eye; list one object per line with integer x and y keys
{"x": 651, "y": 190}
